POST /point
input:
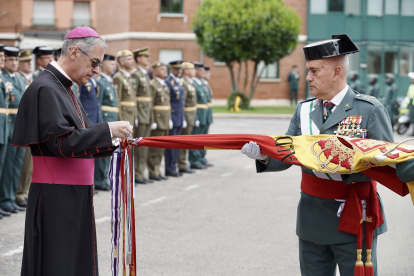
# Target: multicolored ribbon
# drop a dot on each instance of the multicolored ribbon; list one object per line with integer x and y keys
{"x": 121, "y": 176}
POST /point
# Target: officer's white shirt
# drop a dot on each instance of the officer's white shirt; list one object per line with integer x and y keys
{"x": 197, "y": 81}
{"x": 338, "y": 98}
{"x": 189, "y": 80}
{"x": 204, "y": 81}
{"x": 94, "y": 82}
{"x": 175, "y": 78}
{"x": 160, "y": 81}
{"x": 108, "y": 78}
{"x": 142, "y": 70}
{"x": 27, "y": 76}
{"x": 127, "y": 74}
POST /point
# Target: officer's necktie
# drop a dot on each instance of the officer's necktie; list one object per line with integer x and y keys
{"x": 328, "y": 110}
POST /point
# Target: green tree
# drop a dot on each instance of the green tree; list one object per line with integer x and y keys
{"x": 238, "y": 31}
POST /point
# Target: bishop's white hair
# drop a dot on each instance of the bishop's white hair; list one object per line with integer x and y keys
{"x": 85, "y": 44}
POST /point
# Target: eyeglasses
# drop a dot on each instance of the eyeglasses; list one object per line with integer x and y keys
{"x": 95, "y": 62}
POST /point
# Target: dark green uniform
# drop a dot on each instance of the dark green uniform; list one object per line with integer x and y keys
{"x": 195, "y": 156}
{"x": 144, "y": 116}
{"x": 293, "y": 79}
{"x": 14, "y": 87}
{"x": 190, "y": 109}
{"x": 37, "y": 72}
{"x": 390, "y": 101}
{"x": 209, "y": 95}
{"x": 374, "y": 90}
{"x": 4, "y": 118}
{"x": 109, "y": 112}
{"x": 162, "y": 115}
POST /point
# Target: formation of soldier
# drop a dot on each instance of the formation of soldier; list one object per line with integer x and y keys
{"x": 156, "y": 102}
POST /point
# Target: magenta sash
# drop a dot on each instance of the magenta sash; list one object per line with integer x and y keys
{"x": 67, "y": 171}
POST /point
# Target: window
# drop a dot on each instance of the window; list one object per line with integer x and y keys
{"x": 318, "y": 6}
{"x": 407, "y": 7}
{"x": 336, "y": 5}
{"x": 271, "y": 71}
{"x": 43, "y": 13}
{"x": 354, "y": 62}
{"x": 171, "y": 6}
{"x": 353, "y": 7}
{"x": 375, "y": 7}
{"x": 81, "y": 14}
{"x": 407, "y": 61}
{"x": 391, "y": 61}
{"x": 392, "y": 7}
{"x": 167, "y": 55}
{"x": 374, "y": 60}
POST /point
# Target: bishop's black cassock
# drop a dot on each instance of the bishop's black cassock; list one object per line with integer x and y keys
{"x": 60, "y": 237}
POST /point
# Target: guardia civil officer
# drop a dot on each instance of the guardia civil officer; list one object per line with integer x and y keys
{"x": 209, "y": 93}
{"x": 124, "y": 85}
{"x": 144, "y": 111}
{"x": 390, "y": 100}
{"x": 354, "y": 82}
{"x": 25, "y": 70}
{"x": 195, "y": 156}
{"x": 373, "y": 89}
{"x": 4, "y": 104}
{"x": 162, "y": 118}
{"x": 333, "y": 110}
{"x": 410, "y": 95}
{"x": 189, "y": 112}
{"x": 293, "y": 80}
{"x": 177, "y": 102}
{"x": 109, "y": 110}
{"x": 44, "y": 55}
{"x": 14, "y": 87}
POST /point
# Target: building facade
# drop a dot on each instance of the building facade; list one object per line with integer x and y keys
{"x": 380, "y": 28}
{"x": 164, "y": 26}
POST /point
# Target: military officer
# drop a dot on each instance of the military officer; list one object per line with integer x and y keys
{"x": 195, "y": 156}
{"x": 162, "y": 116}
{"x": 124, "y": 85}
{"x": 144, "y": 111}
{"x": 410, "y": 95}
{"x": 189, "y": 112}
{"x": 390, "y": 100}
{"x": 293, "y": 80}
{"x": 89, "y": 99}
{"x": 177, "y": 102}
{"x": 373, "y": 89}
{"x": 336, "y": 108}
{"x": 14, "y": 87}
{"x": 354, "y": 82}
{"x": 109, "y": 112}
{"x": 57, "y": 53}
{"x": 25, "y": 70}
{"x": 205, "y": 79}
{"x": 44, "y": 55}
{"x": 4, "y": 102}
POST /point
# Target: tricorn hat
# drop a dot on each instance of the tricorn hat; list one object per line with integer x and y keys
{"x": 197, "y": 64}
{"x": 11, "y": 51}
{"x": 108, "y": 57}
{"x": 337, "y": 46}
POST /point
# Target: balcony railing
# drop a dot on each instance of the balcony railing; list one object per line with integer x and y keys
{"x": 43, "y": 22}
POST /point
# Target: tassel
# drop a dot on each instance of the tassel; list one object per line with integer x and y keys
{"x": 369, "y": 267}
{"x": 359, "y": 265}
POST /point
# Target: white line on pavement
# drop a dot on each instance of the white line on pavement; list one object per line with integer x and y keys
{"x": 15, "y": 251}
{"x": 225, "y": 174}
{"x": 191, "y": 187}
{"x": 153, "y": 201}
{"x": 103, "y": 219}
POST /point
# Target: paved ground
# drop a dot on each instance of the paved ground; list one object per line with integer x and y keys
{"x": 226, "y": 220}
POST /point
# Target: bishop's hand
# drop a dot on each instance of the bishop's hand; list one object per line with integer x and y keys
{"x": 120, "y": 129}
{"x": 252, "y": 150}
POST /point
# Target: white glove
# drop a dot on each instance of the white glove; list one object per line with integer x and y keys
{"x": 197, "y": 123}
{"x": 252, "y": 150}
{"x": 171, "y": 124}
{"x": 136, "y": 122}
{"x": 153, "y": 126}
{"x": 184, "y": 124}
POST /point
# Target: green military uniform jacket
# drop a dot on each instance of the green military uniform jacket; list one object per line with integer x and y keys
{"x": 14, "y": 88}
{"x": 202, "y": 100}
{"x": 373, "y": 90}
{"x": 144, "y": 96}
{"x": 126, "y": 95}
{"x": 37, "y": 72}
{"x": 209, "y": 95}
{"x": 356, "y": 85}
{"x": 190, "y": 96}
{"x": 317, "y": 219}
{"x": 107, "y": 100}
{"x": 4, "y": 107}
{"x": 161, "y": 100}
{"x": 293, "y": 79}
